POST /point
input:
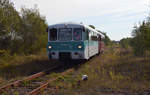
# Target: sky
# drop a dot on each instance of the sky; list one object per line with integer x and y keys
{"x": 115, "y": 17}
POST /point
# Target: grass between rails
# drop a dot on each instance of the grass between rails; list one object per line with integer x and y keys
{"x": 108, "y": 74}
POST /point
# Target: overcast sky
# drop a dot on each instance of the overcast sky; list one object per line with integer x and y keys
{"x": 116, "y": 17}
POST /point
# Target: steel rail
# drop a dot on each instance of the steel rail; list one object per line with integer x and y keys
{"x": 44, "y": 85}
{"x": 16, "y": 83}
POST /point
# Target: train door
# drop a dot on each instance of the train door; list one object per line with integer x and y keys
{"x": 88, "y": 44}
{"x": 99, "y": 44}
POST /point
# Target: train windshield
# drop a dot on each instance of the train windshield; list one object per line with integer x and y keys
{"x": 65, "y": 34}
{"x": 53, "y": 34}
{"x": 77, "y": 34}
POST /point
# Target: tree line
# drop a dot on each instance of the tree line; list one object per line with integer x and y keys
{"x": 21, "y": 32}
{"x": 24, "y": 32}
{"x": 140, "y": 41}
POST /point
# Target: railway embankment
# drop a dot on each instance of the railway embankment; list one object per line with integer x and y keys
{"x": 115, "y": 72}
{"x": 17, "y": 67}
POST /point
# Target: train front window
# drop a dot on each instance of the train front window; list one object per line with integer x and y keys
{"x": 65, "y": 34}
{"x": 53, "y": 34}
{"x": 77, "y": 34}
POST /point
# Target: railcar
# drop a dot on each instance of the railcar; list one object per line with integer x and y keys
{"x": 73, "y": 41}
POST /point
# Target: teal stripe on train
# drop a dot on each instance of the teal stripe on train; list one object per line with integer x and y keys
{"x": 70, "y": 46}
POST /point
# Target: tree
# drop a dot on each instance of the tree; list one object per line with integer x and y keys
{"x": 107, "y": 40}
{"x": 21, "y": 32}
{"x": 92, "y": 26}
{"x": 33, "y": 30}
{"x": 125, "y": 42}
{"x": 9, "y": 24}
{"x": 141, "y": 38}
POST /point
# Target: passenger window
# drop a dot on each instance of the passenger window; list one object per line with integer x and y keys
{"x": 53, "y": 34}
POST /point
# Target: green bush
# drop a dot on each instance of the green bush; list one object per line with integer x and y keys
{"x": 21, "y": 33}
{"x": 141, "y": 38}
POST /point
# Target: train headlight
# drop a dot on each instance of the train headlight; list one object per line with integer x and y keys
{"x": 79, "y": 46}
{"x": 49, "y": 47}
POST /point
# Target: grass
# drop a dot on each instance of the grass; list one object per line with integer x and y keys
{"x": 16, "y": 67}
{"x": 109, "y": 74}
{"x": 114, "y": 72}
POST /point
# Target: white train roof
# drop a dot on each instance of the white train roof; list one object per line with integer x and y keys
{"x": 73, "y": 25}
{"x": 86, "y": 26}
{"x": 66, "y": 24}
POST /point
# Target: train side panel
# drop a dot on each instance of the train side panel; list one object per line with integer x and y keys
{"x": 93, "y": 48}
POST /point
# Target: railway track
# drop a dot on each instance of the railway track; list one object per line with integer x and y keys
{"x": 37, "y": 90}
{"x": 31, "y": 85}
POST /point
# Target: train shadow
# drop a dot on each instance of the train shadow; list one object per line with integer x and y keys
{"x": 75, "y": 64}
{"x": 65, "y": 65}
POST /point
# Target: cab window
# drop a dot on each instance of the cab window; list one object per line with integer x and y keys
{"x": 65, "y": 34}
{"x": 77, "y": 34}
{"x": 53, "y": 34}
